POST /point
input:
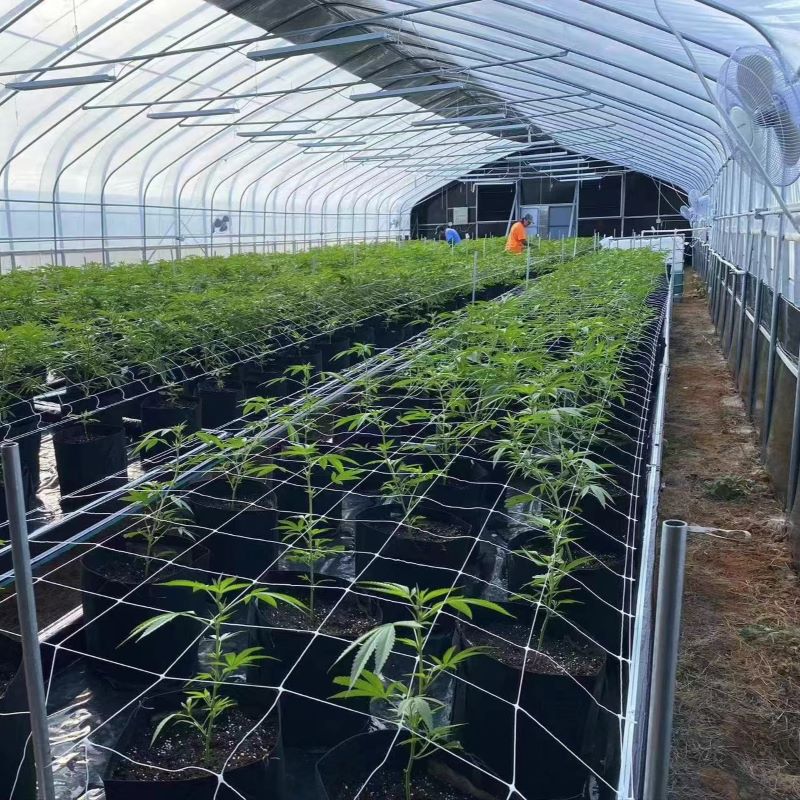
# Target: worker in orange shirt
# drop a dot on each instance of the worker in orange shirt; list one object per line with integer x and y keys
{"x": 517, "y": 236}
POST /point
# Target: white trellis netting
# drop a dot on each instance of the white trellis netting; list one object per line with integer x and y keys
{"x": 628, "y": 434}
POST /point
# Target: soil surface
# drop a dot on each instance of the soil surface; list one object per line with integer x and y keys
{"x": 349, "y": 621}
{"x": 179, "y": 746}
{"x": 133, "y": 569}
{"x": 557, "y": 656}
{"x": 431, "y": 530}
{"x": 738, "y": 695}
{"x": 388, "y": 785}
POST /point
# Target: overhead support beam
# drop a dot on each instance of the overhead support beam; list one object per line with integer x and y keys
{"x": 383, "y": 93}
{"x": 202, "y": 112}
{"x": 427, "y": 123}
{"x": 59, "y": 83}
{"x": 295, "y": 132}
{"x": 473, "y": 131}
{"x": 318, "y": 46}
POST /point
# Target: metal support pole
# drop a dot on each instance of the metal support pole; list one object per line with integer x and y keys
{"x": 665, "y": 657}
{"x": 528, "y": 265}
{"x": 26, "y": 607}
{"x": 769, "y": 396}
{"x": 794, "y": 453}
{"x": 474, "y": 274}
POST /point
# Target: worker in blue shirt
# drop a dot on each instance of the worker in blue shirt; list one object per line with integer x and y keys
{"x": 451, "y": 235}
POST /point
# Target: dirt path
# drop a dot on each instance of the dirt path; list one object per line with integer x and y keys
{"x": 737, "y": 725}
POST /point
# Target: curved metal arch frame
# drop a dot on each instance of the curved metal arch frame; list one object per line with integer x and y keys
{"x": 445, "y": 43}
{"x": 719, "y": 7}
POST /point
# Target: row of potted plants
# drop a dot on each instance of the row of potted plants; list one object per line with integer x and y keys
{"x": 447, "y": 549}
{"x": 98, "y": 327}
{"x": 187, "y": 341}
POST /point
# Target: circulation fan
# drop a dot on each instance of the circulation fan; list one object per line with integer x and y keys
{"x": 698, "y": 212}
{"x": 221, "y": 223}
{"x": 761, "y": 99}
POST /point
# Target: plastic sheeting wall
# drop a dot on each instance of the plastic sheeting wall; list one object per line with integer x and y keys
{"x": 86, "y": 169}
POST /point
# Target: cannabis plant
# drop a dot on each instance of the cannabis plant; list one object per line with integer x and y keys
{"x": 206, "y": 695}
{"x": 411, "y": 703}
{"x": 307, "y": 533}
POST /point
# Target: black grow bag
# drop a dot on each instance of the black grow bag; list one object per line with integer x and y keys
{"x": 565, "y": 706}
{"x": 85, "y": 457}
{"x": 311, "y": 720}
{"x": 29, "y": 438}
{"x": 408, "y": 559}
{"x": 257, "y": 780}
{"x": 107, "y": 406}
{"x": 14, "y": 727}
{"x": 343, "y": 770}
{"x": 219, "y": 405}
{"x": 597, "y": 589}
{"x": 157, "y": 414}
{"x": 240, "y": 533}
{"x": 108, "y": 575}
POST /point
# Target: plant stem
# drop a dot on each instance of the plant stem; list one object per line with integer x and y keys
{"x": 215, "y": 683}
{"x": 412, "y": 753}
{"x": 311, "y": 577}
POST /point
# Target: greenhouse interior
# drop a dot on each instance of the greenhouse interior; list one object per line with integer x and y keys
{"x": 400, "y": 400}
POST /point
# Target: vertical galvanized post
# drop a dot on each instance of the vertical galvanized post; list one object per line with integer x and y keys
{"x": 665, "y": 657}
{"x": 769, "y": 396}
{"x": 747, "y": 265}
{"x": 26, "y": 605}
{"x": 527, "y": 266}
{"x": 794, "y": 453}
{"x": 474, "y": 274}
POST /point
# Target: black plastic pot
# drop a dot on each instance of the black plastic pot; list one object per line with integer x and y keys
{"x": 15, "y": 727}
{"x": 331, "y": 346}
{"x": 564, "y": 706}
{"x": 29, "y": 439}
{"x": 258, "y": 780}
{"x": 86, "y": 456}
{"x": 304, "y": 662}
{"x": 405, "y": 558}
{"x": 104, "y": 581}
{"x": 343, "y": 770}
{"x": 466, "y": 490}
{"x": 106, "y": 406}
{"x": 589, "y": 587}
{"x": 239, "y": 533}
{"x": 158, "y": 414}
{"x": 219, "y": 405}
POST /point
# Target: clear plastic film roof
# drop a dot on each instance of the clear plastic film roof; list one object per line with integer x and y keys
{"x": 613, "y": 79}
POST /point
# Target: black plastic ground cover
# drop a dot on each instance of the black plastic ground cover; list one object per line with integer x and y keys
{"x": 17, "y": 774}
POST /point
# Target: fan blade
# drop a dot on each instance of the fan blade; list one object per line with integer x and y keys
{"x": 755, "y": 79}
{"x": 789, "y": 140}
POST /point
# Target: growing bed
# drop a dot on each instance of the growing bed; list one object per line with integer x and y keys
{"x": 154, "y": 345}
{"x": 438, "y": 546}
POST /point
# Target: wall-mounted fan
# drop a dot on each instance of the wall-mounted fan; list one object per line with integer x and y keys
{"x": 698, "y": 212}
{"x": 221, "y": 224}
{"x": 761, "y": 99}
